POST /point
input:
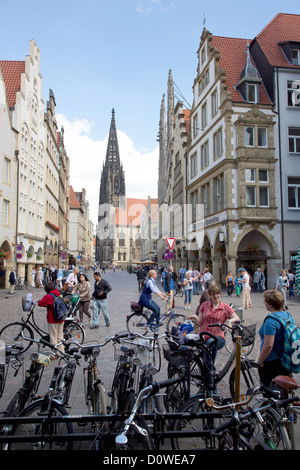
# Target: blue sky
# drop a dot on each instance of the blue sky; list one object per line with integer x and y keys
{"x": 98, "y": 55}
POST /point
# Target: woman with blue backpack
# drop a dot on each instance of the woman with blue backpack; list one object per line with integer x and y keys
{"x": 278, "y": 333}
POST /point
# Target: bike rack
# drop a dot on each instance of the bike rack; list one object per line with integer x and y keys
{"x": 159, "y": 435}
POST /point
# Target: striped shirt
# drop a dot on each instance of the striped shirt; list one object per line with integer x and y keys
{"x": 218, "y": 315}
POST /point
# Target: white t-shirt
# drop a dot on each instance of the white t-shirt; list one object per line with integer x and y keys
{"x": 247, "y": 279}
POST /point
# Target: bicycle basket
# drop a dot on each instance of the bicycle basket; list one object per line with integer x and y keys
{"x": 120, "y": 354}
{"x": 177, "y": 358}
{"x": 143, "y": 350}
{"x": 248, "y": 335}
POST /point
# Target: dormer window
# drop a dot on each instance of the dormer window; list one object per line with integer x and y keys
{"x": 296, "y": 56}
{"x": 248, "y": 84}
{"x": 291, "y": 50}
{"x": 252, "y": 93}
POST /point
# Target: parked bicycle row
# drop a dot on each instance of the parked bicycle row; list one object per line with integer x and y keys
{"x": 133, "y": 414}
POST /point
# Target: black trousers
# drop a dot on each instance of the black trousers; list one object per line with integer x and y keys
{"x": 270, "y": 370}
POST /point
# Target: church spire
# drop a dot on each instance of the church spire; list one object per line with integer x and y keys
{"x": 112, "y": 184}
{"x": 112, "y": 152}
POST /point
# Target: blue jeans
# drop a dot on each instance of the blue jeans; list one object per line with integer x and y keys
{"x": 156, "y": 311}
{"x": 195, "y": 288}
{"x": 188, "y": 296}
{"x": 97, "y": 306}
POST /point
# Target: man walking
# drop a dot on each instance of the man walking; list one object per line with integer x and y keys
{"x": 101, "y": 289}
{"x": 169, "y": 287}
{"x": 12, "y": 281}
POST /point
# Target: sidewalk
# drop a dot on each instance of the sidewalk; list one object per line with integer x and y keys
{"x": 124, "y": 290}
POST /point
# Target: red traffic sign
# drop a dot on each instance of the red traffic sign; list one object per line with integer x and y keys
{"x": 170, "y": 255}
{"x": 170, "y": 242}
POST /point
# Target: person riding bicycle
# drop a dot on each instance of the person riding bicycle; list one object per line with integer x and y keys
{"x": 141, "y": 277}
{"x": 146, "y": 297}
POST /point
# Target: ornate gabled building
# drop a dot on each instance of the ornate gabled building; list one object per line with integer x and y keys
{"x": 174, "y": 134}
{"x": 232, "y": 163}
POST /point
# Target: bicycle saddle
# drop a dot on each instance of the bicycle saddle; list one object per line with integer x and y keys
{"x": 135, "y": 307}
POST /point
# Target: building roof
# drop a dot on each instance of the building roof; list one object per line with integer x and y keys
{"x": 283, "y": 27}
{"x": 233, "y": 56}
{"x": 74, "y": 203}
{"x": 134, "y": 209}
{"x": 12, "y": 70}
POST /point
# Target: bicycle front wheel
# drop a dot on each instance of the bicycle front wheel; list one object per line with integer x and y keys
{"x": 249, "y": 379}
{"x": 195, "y": 422}
{"x": 73, "y": 330}
{"x": 11, "y": 334}
{"x": 137, "y": 323}
{"x": 45, "y": 435}
{"x": 99, "y": 406}
{"x": 175, "y": 319}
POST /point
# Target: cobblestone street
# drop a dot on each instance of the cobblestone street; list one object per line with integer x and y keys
{"x": 124, "y": 290}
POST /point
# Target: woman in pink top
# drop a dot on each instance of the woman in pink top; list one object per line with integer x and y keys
{"x": 211, "y": 312}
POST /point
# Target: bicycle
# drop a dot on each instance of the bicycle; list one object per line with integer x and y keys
{"x": 247, "y": 333}
{"x": 27, "y": 391}
{"x": 12, "y": 359}
{"x": 13, "y": 332}
{"x": 135, "y": 433}
{"x": 131, "y": 352}
{"x": 137, "y": 321}
{"x": 250, "y": 429}
{"x": 188, "y": 360}
{"x": 179, "y": 290}
{"x": 289, "y": 414}
{"x": 47, "y": 433}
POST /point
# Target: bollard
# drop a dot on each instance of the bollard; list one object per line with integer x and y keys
{"x": 238, "y": 343}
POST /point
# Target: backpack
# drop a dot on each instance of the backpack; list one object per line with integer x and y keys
{"x": 291, "y": 344}
{"x": 60, "y": 308}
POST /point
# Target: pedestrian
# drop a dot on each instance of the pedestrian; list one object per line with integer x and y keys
{"x": 291, "y": 278}
{"x": 257, "y": 279}
{"x": 195, "y": 274}
{"x": 229, "y": 284}
{"x": 55, "y": 327}
{"x": 12, "y": 280}
{"x": 246, "y": 298}
{"x": 169, "y": 287}
{"x": 207, "y": 276}
{"x": 181, "y": 272}
{"x": 188, "y": 290}
{"x": 282, "y": 285}
{"x": 238, "y": 284}
{"x": 146, "y": 297}
{"x": 83, "y": 289}
{"x": 272, "y": 338}
{"x": 40, "y": 278}
{"x": 213, "y": 312}
{"x": 59, "y": 278}
{"x": 33, "y": 274}
{"x": 72, "y": 279}
{"x": 99, "y": 296}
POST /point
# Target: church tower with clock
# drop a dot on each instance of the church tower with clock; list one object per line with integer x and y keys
{"x": 112, "y": 189}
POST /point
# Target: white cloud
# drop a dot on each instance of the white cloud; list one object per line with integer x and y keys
{"x": 87, "y": 157}
{"x": 146, "y": 7}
